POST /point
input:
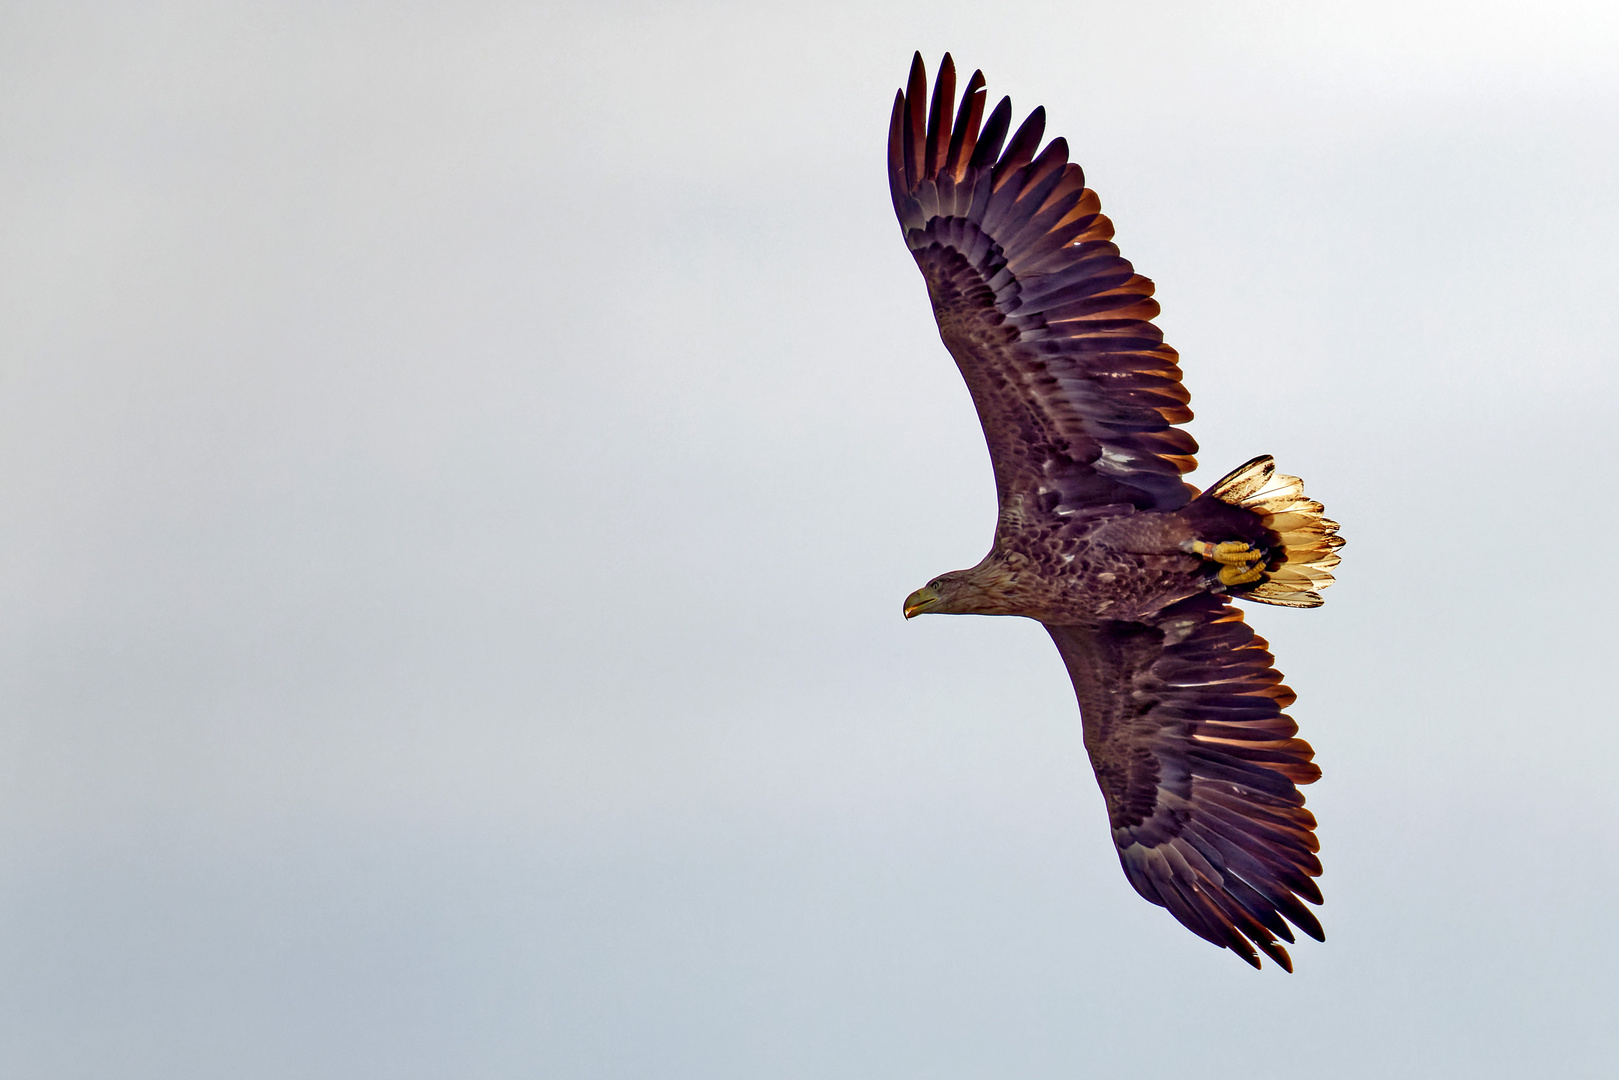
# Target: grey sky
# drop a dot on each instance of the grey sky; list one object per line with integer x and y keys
{"x": 460, "y": 466}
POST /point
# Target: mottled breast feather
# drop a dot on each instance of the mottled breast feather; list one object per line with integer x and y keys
{"x": 1051, "y": 328}
{"x": 1199, "y": 768}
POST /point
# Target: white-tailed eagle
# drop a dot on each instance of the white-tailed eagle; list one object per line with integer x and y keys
{"x": 1132, "y": 570}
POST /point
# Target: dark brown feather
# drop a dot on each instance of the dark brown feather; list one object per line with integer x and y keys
{"x": 963, "y": 137}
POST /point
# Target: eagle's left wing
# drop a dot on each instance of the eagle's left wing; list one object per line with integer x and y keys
{"x": 1050, "y": 326}
{"x": 1198, "y": 765}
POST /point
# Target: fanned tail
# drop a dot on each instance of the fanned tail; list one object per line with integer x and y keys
{"x": 1310, "y": 541}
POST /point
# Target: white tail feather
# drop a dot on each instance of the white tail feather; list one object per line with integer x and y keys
{"x": 1310, "y": 540}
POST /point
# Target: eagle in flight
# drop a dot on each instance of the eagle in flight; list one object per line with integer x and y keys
{"x": 1132, "y": 570}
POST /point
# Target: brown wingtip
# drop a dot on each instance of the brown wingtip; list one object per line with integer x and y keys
{"x": 1274, "y": 950}
{"x": 916, "y": 120}
{"x": 944, "y": 94}
{"x": 964, "y": 133}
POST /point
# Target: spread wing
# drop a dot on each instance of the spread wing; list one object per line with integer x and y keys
{"x": 1050, "y": 326}
{"x": 1198, "y": 765}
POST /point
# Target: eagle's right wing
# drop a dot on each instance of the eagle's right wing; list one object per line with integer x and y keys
{"x": 1198, "y": 765}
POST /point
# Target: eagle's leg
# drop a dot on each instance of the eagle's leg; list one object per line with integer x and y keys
{"x": 1240, "y": 575}
{"x": 1230, "y": 553}
{"x": 1240, "y": 562}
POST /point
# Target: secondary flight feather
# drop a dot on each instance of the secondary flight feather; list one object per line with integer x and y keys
{"x": 1131, "y": 569}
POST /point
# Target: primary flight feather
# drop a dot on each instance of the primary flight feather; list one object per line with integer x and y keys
{"x": 1131, "y": 569}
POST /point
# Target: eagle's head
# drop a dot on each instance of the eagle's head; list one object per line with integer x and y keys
{"x": 989, "y": 588}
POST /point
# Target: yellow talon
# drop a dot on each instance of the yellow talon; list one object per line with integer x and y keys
{"x": 1230, "y": 553}
{"x": 1238, "y": 575}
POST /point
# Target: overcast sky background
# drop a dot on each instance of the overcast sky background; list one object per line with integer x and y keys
{"x": 460, "y": 465}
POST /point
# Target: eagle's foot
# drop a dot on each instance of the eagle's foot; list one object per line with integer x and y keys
{"x": 1234, "y": 554}
{"x": 1240, "y": 575}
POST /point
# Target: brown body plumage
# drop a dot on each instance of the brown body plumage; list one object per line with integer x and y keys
{"x": 1130, "y": 568}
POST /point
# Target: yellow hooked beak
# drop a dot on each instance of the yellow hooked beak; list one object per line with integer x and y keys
{"x": 920, "y": 600}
